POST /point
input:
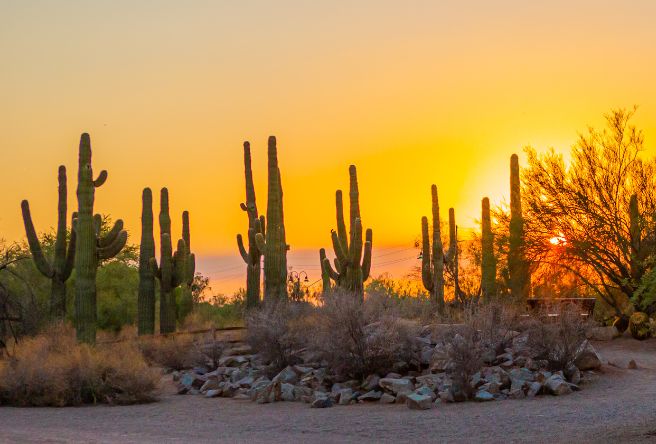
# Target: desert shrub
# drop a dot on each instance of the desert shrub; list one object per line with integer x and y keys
{"x": 177, "y": 352}
{"x": 277, "y": 331}
{"x": 407, "y": 298}
{"x": 496, "y": 323}
{"x": 219, "y": 311}
{"x": 465, "y": 354}
{"x": 53, "y": 370}
{"x": 357, "y": 339}
{"x": 558, "y": 339}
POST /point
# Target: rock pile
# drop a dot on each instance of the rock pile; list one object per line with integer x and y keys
{"x": 423, "y": 383}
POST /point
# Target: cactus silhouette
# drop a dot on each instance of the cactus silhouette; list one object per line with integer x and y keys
{"x": 173, "y": 269}
{"x": 146, "y": 301}
{"x": 61, "y": 266}
{"x": 352, "y": 265}
{"x": 434, "y": 259}
{"x": 186, "y": 296}
{"x": 325, "y": 272}
{"x": 91, "y": 246}
{"x": 488, "y": 261}
{"x": 271, "y": 241}
{"x": 251, "y": 256}
{"x": 518, "y": 271}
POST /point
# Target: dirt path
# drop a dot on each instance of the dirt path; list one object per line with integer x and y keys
{"x": 618, "y": 407}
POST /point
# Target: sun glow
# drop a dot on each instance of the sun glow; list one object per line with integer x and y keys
{"x": 558, "y": 240}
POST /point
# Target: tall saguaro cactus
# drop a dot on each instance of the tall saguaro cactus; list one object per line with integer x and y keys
{"x": 434, "y": 260}
{"x": 186, "y": 297}
{"x": 256, "y": 225}
{"x": 517, "y": 265}
{"x": 274, "y": 246}
{"x": 488, "y": 261}
{"x": 146, "y": 301}
{"x": 91, "y": 246}
{"x": 172, "y": 270}
{"x": 353, "y": 256}
{"x": 59, "y": 270}
{"x": 325, "y": 272}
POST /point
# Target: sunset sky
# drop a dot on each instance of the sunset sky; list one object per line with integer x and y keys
{"x": 413, "y": 93}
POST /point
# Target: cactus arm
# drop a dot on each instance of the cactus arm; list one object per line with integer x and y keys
{"x": 262, "y": 226}
{"x": 97, "y": 224}
{"x": 111, "y": 250}
{"x": 329, "y": 269}
{"x": 100, "y": 180}
{"x": 366, "y": 258}
{"x": 242, "y": 250}
{"x": 355, "y": 252}
{"x": 40, "y": 260}
{"x": 191, "y": 268}
{"x": 112, "y": 235}
{"x": 354, "y": 196}
{"x": 341, "y": 225}
{"x": 70, "y": 253}
{"x": 152, "y": 263}
{"x": 341, "y": 254}
{"x": 451, "y": 252}
{"x": 426, "y": 272}
{"x": 339, "y": 267}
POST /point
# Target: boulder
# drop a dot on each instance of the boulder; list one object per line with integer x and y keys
{"x": 371, "y": 382}
{"x": 639, "y": 326}
{"x": 432, "y": 381}
{"x": 603, "y": 333}
{"x": 556, "y": 385}
{"x": 416, "y": 401}
{"x": 287, "y": 392}
{"x": 573, "y": 374}
{"x": 372, "y": 395}
{"x": 533, "y": 389}
{"x": 210, "y": 384}
{"x": 587, "y": 359}
{"x": 286, "y": 375}
{"x": 387, "y": 399}
{"x": 322, "y": 403}
{"x": 192, "y": 380}
{"x": 345, "y": 396}
{"x": 439, "y": 359}
{"x": 212, "y": 393}
{"x": 483, "y": 395}
{"x": 425, "y": 391}
{"x": 396, "y": 385}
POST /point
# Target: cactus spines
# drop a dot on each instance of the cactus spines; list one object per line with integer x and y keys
{"x": 146, "y": 301}
{"x": 91, "y": 246}
{"x": 253, "y": 255}
{"x": 435, "y": 259}
{"x": 353, "y": 255}
{"x": 272, "y": 242}
{"x": 517, "y": 265}
{"x": 173, "y": 269}
{"x": 59, "y": 270}
{"x": 488, "y": 261}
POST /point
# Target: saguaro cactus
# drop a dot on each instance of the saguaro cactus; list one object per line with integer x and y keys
{"x": 325, "y": 272}
{"x": 488, "y": 261}
{"x": 146, "y": 301}
{"x": 91, "y": 246}
{"x": 433, "y": 261}
{"x": 172, "y": 270}
{"x": 256, "y": 225}
{"x": 352, "y": 266}
{"x": 59, "y": 270}
{"x": 186, "y": 297}
{"x": 274, "y": 246}
{"x": 517, "y": 265}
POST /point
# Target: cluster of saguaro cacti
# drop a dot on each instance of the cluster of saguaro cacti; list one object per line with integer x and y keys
{"x": 272, "y": 241}
{"x": 91, "y": 245}
{"x": 353, "y": 256}
{"x": 256, "y": 225}
{"x": 517, "y": 265}
{"x": 61, "y": 266}
{"x": 173, "y": 271}
{"x": 434, "y": 260}
{"x": 488, "y": 260}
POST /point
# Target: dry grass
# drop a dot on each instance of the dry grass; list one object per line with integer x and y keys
{"x": 173, "y": 352}
{"x": 53, "y": 370}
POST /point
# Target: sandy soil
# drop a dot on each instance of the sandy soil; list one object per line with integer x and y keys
{"x": 619, "y": 406}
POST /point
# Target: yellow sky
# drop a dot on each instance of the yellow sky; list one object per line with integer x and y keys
{"x": 413, "y": 93}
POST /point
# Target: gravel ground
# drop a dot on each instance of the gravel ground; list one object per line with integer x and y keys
{"x": 619, "y": 406}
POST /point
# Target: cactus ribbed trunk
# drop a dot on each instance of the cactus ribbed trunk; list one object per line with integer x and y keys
{"x": 517, "y": 265}
{"x": 91, "y": 246}
{"x": 186, "y": 296}
{"x": 166, "y": 294}
{"x": 434, "y": 260}
{"x": 274, "y": 245}
{"x": 325, "y": 274}
{"x": 63, "y": 259}
{"x": 488, "y": 261}
{"x": 146, "y": 301}
{"x": 251, "y": 256}
{"x": 353, "y": 255}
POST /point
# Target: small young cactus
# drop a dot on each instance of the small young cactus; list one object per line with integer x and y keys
{"x": 253, "y": 255}
{"x": 59, "y": 269}
{"x": 353, "y": 256}
{"x": 488, "y": 260}
{"x": 91, "y": 246}
{"x": 272, "y": 241}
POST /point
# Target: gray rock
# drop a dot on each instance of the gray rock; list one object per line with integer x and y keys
{"x": 301, "y": 392}
{"x": 232, "y": 361}
{"x": 426, "y": 391}
{"x": 192, "y": 380}
{"x": 210, "y": 384}
{"x": 371, "y": 382}
{"x": 588, "y": 359}
{"x": 287, "y": 392}
{"x": 387, "y": 399}
{"x": 432, "y": 381}
{"x": 573, "y": 374}
{"x": 484, "y": 395}
{"x": 322, "y": 403}
{"x": 533, "y": 389}
{"x": 287, "y": 376}
{"x": 396, "y": 385}
{"x": 416, "y": 401}
{"x": 372, "y": 395}
{"x": 213, "y": 393}
{"x": 345, "y": 396}
{"x": 556, "y": 385}
{"x": 446, "y": 396}
{"x": 607, "y": 333}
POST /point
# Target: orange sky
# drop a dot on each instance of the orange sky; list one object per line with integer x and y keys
{"x": 413, "y": 93}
